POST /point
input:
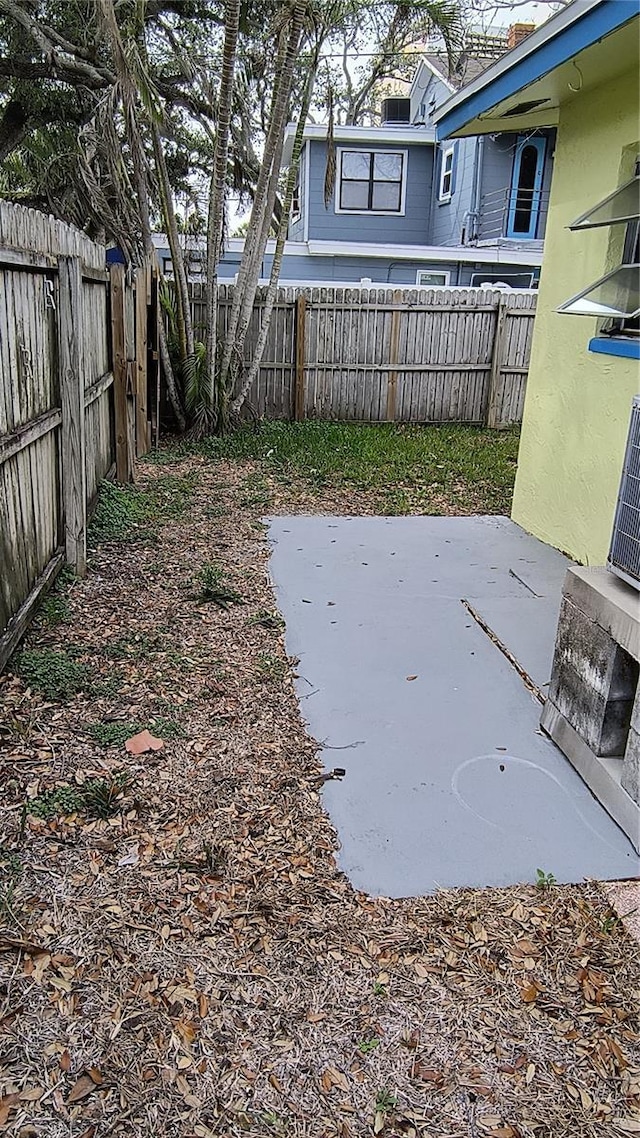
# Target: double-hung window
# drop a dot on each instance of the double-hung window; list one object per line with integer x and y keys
{"x": 446, "y": 175}
{"x": 371, "y": 181}
{"x": 615, "y": 297}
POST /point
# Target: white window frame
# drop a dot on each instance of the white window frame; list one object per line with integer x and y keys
{"x": 446, "y": 195}
{"x": 434, "y": 272}
{"x": 404, "y": 154}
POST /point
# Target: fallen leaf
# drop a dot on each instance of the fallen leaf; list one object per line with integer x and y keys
{"x": 142, "y": 742}
{"x": 412, "y": 677}
{"x": 84, "y": 1087}
{"x": 7, "y": 1104}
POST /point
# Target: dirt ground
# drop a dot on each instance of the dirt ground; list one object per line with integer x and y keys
{"x": 193, "y": 964}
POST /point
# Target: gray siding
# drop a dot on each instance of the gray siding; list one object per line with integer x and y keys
{"x": 450, "y": 219}
{"x": 410, "y": 229}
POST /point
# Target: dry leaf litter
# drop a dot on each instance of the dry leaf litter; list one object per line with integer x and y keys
{"x": 194, "y": 965}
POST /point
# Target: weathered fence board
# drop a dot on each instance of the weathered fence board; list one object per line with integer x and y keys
{"x": 57, "y": 424}
{"x": 378, "y": 354}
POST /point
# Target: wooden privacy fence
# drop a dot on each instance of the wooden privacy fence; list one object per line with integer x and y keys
{"x": 398, "y": 355}
{"x": 67, "y": 328}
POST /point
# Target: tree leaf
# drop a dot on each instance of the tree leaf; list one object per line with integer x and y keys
{"x": 142, "y": 742}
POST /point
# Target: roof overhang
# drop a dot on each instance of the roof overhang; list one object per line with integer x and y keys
{"x": 582, "y": 46}
{"x": 363, "y": 135}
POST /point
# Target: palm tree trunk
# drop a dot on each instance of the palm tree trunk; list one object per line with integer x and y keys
{"x": 185, "y": 326}
{"x": 280, "y": 240}
{"x": 215, "y": 222}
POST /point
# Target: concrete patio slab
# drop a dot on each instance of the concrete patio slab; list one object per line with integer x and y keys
{"x": 449, "y": 780}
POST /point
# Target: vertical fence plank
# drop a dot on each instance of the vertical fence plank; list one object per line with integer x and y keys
{"x": 299, "y": 397}
{"x": 142, "y": 416}
{"x": 74, "y": 478}
{"x": 394, "y": 341}
{"x": 494, "y": 398}
{"x": 124, "y": 457}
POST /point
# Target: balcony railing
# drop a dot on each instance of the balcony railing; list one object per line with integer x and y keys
{"x": 519, "y": 215}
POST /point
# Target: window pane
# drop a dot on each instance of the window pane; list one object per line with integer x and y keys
{"x": 446, "y": 184}
{"x": 447, "y": 161}
{"x": 354, "y": 195}
{"x": 386, "y": 195}
{"x": 387, "y": 167}
{"x": 355, "y": 164}
{"x": 621, "y": 206}
{"x": 617, "y": 294}
{"x": 432, "y": 278}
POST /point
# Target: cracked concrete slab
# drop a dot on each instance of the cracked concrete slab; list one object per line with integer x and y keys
{"x": 449, "y": 781}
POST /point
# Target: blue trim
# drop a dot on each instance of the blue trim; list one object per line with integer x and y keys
{"x": 612, "y": 346}
{"x": 539, "y": 144}
{"x": 585, "y": 31}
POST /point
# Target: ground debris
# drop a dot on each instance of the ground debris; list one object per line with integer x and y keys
{"x": 196, "y": 965}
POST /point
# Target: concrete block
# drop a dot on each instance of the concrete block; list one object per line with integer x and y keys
{"x": 610, "y": 602}
{"x": 635, "y": 714}
{"x": 602, "y": 776}
{"x": 594, "y": 681}
{"x": 631, "y": 766}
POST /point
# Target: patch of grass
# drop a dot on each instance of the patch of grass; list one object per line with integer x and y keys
{"x": 97, "y": 797}
{"x": 271, "y": 620}
{"x": 54, "y": 674}
{"x": 255, "y": 493}
{"x": 130, "y": 513}
{"x": 111, "y": 733}
{"x": 447, "y": 464}
{"x": 137, "y": 646}
{"x": 54, "y": 610}
{"x": 365, "y": 1046}
{"x": 271, "y": 668}
{"x": 214, "y": 587}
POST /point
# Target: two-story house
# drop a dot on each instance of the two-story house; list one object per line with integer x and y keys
{"x": 406, "y": 210}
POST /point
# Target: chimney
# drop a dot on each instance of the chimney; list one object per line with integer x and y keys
{"x": 518, "y": 32}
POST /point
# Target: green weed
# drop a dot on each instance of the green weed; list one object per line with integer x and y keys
{"x": 271, "y": 620}
{"x": 214, "y": 588}
{"x": 54, "y": 610}
{"x": 544, "y": 880}
{"x": 54, "y": 674}
{"x": 385, "y": 1101}
{"x": 131, "y": 513}
{"x": 115, "y": 734}
{"x": 365, "y": 1046}
{"x": 271, "y": 668}
{"x": 97, "y": 797}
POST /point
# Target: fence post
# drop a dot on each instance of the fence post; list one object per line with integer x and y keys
{"x": 74, "y": 475}
{"x": 392, "y": 382}
{"x": 494, "y": 394}
{"x": 124, "y": 455}
{"x": 299, "y": 392}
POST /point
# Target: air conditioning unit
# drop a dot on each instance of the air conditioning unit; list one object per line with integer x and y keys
{"x": 624, "y": 555}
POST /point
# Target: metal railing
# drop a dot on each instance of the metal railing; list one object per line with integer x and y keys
{"x": 520, "y": 215}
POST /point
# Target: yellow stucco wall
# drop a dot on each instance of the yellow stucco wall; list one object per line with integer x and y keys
{"x": 577, "y": 406}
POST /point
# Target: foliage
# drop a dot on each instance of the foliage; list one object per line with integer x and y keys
{"x": 54, "y": 610}
{"x": 544, "y": 880}
{"x": 127, "y": 513}
{"x": 97, "y": 797}
{"x": 271, "y": 620}
{"x": 54, "y": 674}
{"x": 215, "y": 588}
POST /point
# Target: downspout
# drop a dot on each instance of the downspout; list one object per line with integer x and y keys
{"x": 474, "y": 213}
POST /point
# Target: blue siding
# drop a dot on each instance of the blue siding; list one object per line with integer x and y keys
{"x": 449, "y": 219}
{"x": 497, "y": 172}
{"x": 380, "y": 270}
{"x": 296, "y": 228}
{"x": 410, "y": 229}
